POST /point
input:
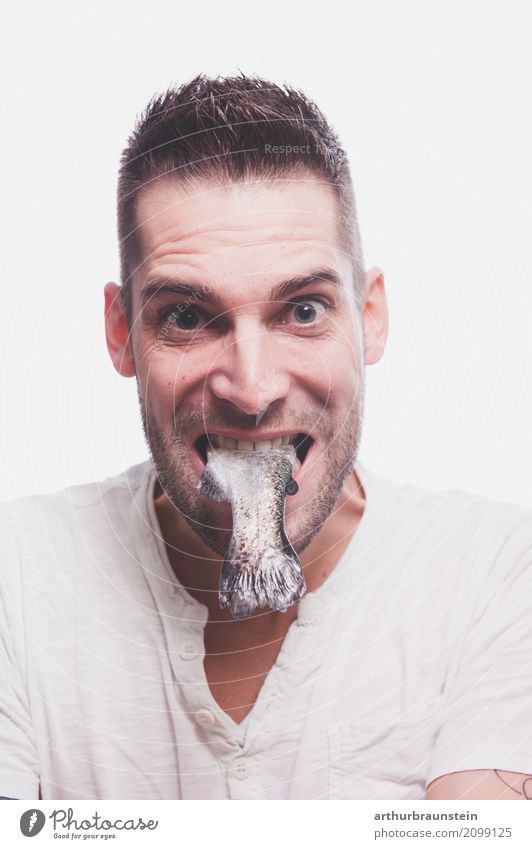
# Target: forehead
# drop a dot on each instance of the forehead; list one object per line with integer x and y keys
{"x": 273, "y": 226}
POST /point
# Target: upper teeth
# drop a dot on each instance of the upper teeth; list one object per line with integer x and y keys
{"x": 228, "y": 443}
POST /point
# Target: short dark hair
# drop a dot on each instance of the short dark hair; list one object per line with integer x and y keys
{"x": 232, "y": 129}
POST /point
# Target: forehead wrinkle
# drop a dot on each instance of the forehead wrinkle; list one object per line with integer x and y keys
{"x": 194, "y": 253}
{"x": 195, "y": 243}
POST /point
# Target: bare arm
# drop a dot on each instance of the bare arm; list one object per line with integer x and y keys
{"x": 481, "y": 784}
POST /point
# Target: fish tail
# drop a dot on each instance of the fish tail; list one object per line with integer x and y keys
{"x": 279, "y": 580}
{"x": 276, "y": 581}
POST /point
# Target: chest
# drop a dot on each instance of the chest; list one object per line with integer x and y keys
{"x": 234, "y": 691}
{"x": 236, "y": 674}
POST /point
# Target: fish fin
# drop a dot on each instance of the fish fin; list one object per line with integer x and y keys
{"x": 209, "y": 486}
{"x": 236, "y": 590}
{"x": 277, "y": 581}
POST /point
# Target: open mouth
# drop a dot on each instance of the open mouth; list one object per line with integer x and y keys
{"x": 302, "y": 443}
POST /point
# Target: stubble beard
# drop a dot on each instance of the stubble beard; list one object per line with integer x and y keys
{"x": 178, "y": 478}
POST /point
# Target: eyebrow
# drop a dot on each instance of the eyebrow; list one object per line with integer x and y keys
{"x": 207, "y": 294}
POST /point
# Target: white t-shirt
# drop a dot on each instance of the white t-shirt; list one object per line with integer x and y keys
{"x": 412, "y": 660}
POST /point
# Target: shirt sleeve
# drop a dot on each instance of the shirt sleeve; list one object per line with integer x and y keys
{"x": 486, "y": 709}
{"x": 19, "y": 770}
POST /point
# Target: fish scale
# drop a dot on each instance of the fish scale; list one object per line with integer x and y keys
{"x": 260, "y": 568}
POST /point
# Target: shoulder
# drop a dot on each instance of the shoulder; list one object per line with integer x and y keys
{"x": 438, "y": 509}
{"x": 78, "y": 495}
{"x": 454, "y": 534}
{"x": 32, "y": 524}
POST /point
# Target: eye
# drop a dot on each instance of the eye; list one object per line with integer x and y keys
{"x": 307, "y": 312}
{"x": 186, "y": 319}
{"x": 183, "y": 318}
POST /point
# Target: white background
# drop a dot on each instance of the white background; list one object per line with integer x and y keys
{"x": 432, "y": 101}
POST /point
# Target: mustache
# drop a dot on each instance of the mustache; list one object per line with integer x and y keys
{"x": 213, "y": 420}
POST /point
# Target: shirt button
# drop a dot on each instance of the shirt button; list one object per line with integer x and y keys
{"x": 239, "y": 768}
{"x": 189, "y": 650}
{"x": 205, "y": 718}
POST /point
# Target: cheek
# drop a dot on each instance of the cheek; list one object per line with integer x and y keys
{"x": 164, "y": 379}
{"x": 336, "y": 371}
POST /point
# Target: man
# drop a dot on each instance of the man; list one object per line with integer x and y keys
{"x": 245, "y": 314}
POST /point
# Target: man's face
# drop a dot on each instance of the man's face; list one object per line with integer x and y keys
{"x": 209, "y": 358}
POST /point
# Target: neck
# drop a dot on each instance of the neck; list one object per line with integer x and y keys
{"x": 198, "y": 568}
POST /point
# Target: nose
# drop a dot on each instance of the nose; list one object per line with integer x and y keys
{"x": 248, "y": 373}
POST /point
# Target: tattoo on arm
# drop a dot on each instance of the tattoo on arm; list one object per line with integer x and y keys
{"x": 525, "y": 791}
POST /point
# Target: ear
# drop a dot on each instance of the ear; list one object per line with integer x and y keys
{"x": 375, "y": 316}
{"x": 117, "y": 332}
